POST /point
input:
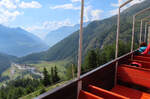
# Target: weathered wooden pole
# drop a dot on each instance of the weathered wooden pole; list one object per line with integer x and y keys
{"x": 117, "y": 41}
{"x": 141, "y": 30}
{"x": 145, "y": 31}
{"x": 148, "y": 38}
{"x": 73, "y": 71}
{"x": 133, "y": 29}
{"x": 80, "y": 50}
{"x": 117, "y": 38}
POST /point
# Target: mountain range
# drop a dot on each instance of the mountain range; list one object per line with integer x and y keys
{"x": 96, "y": 34}
{"x": 18, "y": 42}
{"x": 59, "y": 34}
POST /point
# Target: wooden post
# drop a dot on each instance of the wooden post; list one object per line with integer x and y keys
{"x": 133, "y": 29}
{"x": 141, "y": 30}
{"x": 117, "y": 38}
{"x": 72, "y": 71}
{"x": 141, "y": 27}
{"x": 145, "y": 32}
{"x": 80, "y": 50}
{"x": 148, "y": 39}
{"x": 117, "y": 41}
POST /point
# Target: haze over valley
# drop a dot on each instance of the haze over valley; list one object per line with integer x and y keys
{"x": 39, "y": 41}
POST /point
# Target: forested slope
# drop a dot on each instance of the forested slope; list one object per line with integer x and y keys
{"x": 96, "y": 35}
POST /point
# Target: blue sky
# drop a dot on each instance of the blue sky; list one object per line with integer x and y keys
{"x": 42, "y": 16}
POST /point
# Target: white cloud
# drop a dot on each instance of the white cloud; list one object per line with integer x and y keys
{"x": 56, "y": 24}
{"x": 136, "y": 2}
{"x": 122, "y": 1}
{"x": 75, "y": 0}
{"x": 114, "y": 5}
{"x": 47, "y": 26}
{"x": 115, "y": 11}
{"x": 7, "y": 16}
{"x": 96, "y": 14}
{"x": 10, "y": 4}
{"x": 13, "y": 4}
{"x": 66, "y": 6}
{"x": 33, "y": 4}
{"x": 91, "y": 14}
{"x": 117, "y": 4}
{"x": 9, "y": 9}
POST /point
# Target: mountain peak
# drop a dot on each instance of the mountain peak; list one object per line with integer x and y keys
{"x": 95, "y": 35}
{"x": 59, "y": 34}
{"x": 18, "y": 42}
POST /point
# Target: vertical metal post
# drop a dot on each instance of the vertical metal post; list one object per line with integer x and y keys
{"x": 80, "y": 49}
{"x": 145, "y": 32}
{"x": 133, "y": 29}
{"x": 117, "y": 42}
{"x": 141, "y": 30}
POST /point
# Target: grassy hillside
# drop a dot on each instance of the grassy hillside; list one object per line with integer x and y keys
{"x": 39, "y": 68}
{"x": 5, "y": 61}
{"x": 96, "y": 35}
{"x": 60, "y": 65}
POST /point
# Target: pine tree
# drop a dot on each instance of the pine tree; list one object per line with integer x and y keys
{"x": 71, "y": 71}
{"x": 56, "y": 77}
{"x": 46, "y": 80}
{"x": 52, "y": 75}
{"x": 98, "y": 58}
{"x": 90, "y": 60}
